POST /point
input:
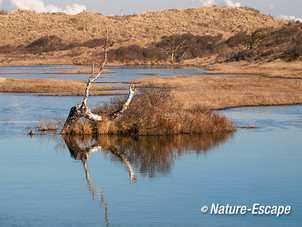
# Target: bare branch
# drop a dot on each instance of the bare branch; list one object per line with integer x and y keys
{"x": 81, "y": 110}
{"x": 92, "y": 78}
{"x": 132, "y": 89}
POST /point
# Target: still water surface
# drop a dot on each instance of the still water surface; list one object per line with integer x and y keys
{"x": 147, "y": 181}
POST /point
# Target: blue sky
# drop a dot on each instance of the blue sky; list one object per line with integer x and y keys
{"x": 113, "y": 7}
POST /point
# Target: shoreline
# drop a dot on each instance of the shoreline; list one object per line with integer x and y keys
{"x": 285, "y": 86}
{"x": 275, "y": 69}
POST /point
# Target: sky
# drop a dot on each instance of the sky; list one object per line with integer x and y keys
{"x": 282, "y": 9}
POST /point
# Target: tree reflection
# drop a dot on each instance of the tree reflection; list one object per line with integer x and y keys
{"x": 154, "y": 156}
{"x": 150, "y": 156}
{"x": 81, "y": 149}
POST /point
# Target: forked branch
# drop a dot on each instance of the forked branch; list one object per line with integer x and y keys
{"x": 92, "y": 78}
{"x": 81, "y": 110}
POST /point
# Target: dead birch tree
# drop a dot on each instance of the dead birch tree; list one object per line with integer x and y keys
{"x": 82, "y": 110}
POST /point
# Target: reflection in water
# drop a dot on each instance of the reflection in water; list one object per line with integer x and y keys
{"x": 154, "y": 156}
{"x": 149, "y": 155}
{"x": 81, "y": 150}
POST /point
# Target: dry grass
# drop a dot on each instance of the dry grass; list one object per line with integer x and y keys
{"x": 50, "y": 87}
{"x": 79, "y": 71}
{"x": 76, "y": 56}
{"x": 82, "y": 127}
{"x": 226, "y": 92}
{"x": 141, "y": 30}
{"x": 2, "y": 79}
{"x": 155, "y": 112}
{"x": 50, "y": 124}
{"x": 276, "y": 69}
{"x": 136, "y": 29}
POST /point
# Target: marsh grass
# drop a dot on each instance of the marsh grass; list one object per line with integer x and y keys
{"x": 155, "y": 111}
{"x": 50, "y": 87}
{"x": 50, "y": 123}
{"x": 226, "y": 92}
{"x": 78, "y": 71}
{"x": 82, "y": 127}
{"x": 275, "y": 69}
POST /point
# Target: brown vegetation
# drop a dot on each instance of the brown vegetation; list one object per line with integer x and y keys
{"x": 261, "y": 45}
{"x": 2, "y": 79}
{"x": 79, "y": 71}
{"x": 75, "y": 39}
{"x": 50, "y": 124}
{"x": 265, "y": 44}
{"x": 142, "y": 28}
{"x": 275, "y": 69}
{"x": 225, "y": 92}
{"x": 268, "y": 44}
{"x": 154, "y": 112}
{"x": 50, "y": 87}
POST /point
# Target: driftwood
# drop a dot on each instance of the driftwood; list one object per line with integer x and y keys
{"x": 82, "y": 111}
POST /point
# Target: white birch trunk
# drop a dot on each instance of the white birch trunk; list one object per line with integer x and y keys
{"x": 81, "y": 110}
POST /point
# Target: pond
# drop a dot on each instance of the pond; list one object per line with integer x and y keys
{"x": 52, "y": 180}
{"x": 118, "y": 77}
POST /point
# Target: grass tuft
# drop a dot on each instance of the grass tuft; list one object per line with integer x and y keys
{"x": 50, "y": 124}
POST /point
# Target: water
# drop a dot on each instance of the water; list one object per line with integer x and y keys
{"x": 20, "y": 112}
{"x": 118, "y": 78}
{"x": 147, "y": 181}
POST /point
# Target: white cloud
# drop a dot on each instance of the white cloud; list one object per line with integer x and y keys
{"x": 39, "y": 6}
{"x": 207, "y": 2}
{"x": 271, "y": 6}
{"x": 289, "y": 18}
{"x": 229, "y": 3}
{"x": 75, "y": 8}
